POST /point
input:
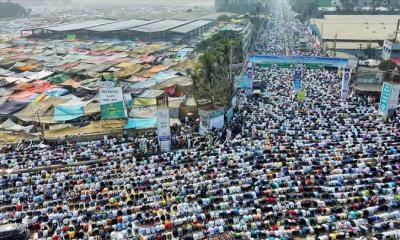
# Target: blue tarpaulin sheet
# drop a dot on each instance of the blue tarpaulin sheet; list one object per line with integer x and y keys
{"x": 66, "y": 113}
{"x": 56, "y": 92}
{"x": 140, "y": 123}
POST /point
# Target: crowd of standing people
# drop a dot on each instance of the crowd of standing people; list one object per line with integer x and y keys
{"x": 282, "y": 169}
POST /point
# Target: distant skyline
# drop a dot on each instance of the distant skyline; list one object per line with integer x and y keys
{"x": 128, "y": 2}
{"x": 152, "y": 2}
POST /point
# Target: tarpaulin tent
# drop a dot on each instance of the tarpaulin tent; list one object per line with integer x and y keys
{"x": 43, "y": 111}
{"x": 11, "y": 107}
{"x": 40, "y": 86}
{"x": 56, "y": 92}
{"x": 22, "y": 86}
{"x": 149, "y": 111}
{"x": 134, "y": 123}
{"x": 65, "y": 113}
{"x": 148, "y": 97}
{"x": 59, "y": 78}
{"x": 24, "y": 96}
{"x": 128, "y": 70}
{"x": 170, "y": 90}
{"x": 71, "y": 83}
{"x": 91, "y": 109}
{"x": 6, "y": 91}
{"x": 11, "y": 126}
{"x": 40, "y": 75}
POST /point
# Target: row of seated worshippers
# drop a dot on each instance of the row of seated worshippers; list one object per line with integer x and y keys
{"x": 318, "y": 169}
{"x": 286, "y": 37}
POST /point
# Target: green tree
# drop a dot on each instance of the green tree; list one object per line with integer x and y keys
{"x": 212, "y": 80}
{"x": 376, "y": 4}
{"x": 369, "y": 51}
{"x": 305, "y": 8}
{"x": 349, "y": 5}
{"x": 391, "y": 5}
{"x": 11, "y": 10}
{"x": 387, "y": 65}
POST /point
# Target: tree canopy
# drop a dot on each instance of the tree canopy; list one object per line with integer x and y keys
{"x": 213, "y": 75}
{"x": 305, "y": 8}
{"x": 9, "y": 10}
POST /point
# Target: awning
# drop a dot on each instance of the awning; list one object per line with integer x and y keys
{"x": 134, "y": 123}
{"x": 66, "y": 113}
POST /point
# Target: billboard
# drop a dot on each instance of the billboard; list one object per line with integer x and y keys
{"x": 385, "y": 97}
{"x": 112, "y": 103}
{"x": 297, "y": 79}
{"x": 345, "y": 84}
{"x": 394, "y": 97}
{"x": 164, "y": 129}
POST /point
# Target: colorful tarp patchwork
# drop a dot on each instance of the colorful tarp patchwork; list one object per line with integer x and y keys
{"x": 66, "y": 113}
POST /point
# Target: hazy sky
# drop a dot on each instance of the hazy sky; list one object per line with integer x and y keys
{"x": 150, "y": 2}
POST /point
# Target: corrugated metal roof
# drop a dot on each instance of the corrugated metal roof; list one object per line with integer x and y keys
{"x": 351, "y": 45}
{"x": 191, "y": 26}
{"x": 120, "y": 25}
{"x": 78, "y": 25}
{"x": 367, "y": 30}
{"x": 160, "y": 26}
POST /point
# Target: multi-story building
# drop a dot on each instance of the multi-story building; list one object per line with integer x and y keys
{"x": 390, "y": 50}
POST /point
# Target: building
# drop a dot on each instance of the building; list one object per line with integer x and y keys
{"x": 159, "y": 29}
{"x": 391, "y": 50}
{"x": 245, "y": 28}
{"x": 349, "y": 33}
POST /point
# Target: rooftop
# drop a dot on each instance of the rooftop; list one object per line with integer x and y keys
{"x": 78, "y": 25}
{"x": 191, "y": 26}
{"x": 160, "y": 26}
{"x": 120, "y": 25}
{"x": 364, "y": 29}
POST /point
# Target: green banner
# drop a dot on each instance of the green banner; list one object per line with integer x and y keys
{"x": 114, "y": 110}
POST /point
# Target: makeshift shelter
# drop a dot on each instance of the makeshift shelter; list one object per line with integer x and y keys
{"x": 42, "y": 111}
{"x": 11, "y": 126}
{"x": 135, "y": 123}
{"x": 145, "y": 104}
{"x": 67, "y": 113}
{"x": 11, "y": 107}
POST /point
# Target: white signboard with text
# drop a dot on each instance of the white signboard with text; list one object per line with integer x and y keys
{"x": 164, "y": 129}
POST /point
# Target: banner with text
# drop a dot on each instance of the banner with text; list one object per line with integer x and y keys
{"x": 112, "y": 103}
{"x": 345, "y": 84}
{"x": 164, "y": 129}
{"x": 385, "y": 96}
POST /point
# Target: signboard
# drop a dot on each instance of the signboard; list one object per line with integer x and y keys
{"x": 301, "y": 95}
{"x": 164, "y": 129}
{"x": 394, "y": 97}
{"x": 385, "y": 96}
{"x": 289, "y": 60}
{"x": 345, "y": 84}
{"x": 297, "y": 79}
{"x": 112, "y": 103}
{"x": 71, "y": 37}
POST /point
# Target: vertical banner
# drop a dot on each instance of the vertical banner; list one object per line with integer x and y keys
{"x": 345, "y": 84}
{"x": 394, "y": 97}
{"x": 250, "y": 77}
{"x": 385, "y": 97}
{"x": 164, "y": 129}
{"x": 112, "y": 103}
{"x": 297, "y": 79}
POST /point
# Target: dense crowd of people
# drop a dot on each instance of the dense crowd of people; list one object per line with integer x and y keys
{"x": 286, "y": 35}
{"x": 282, "y": 169}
